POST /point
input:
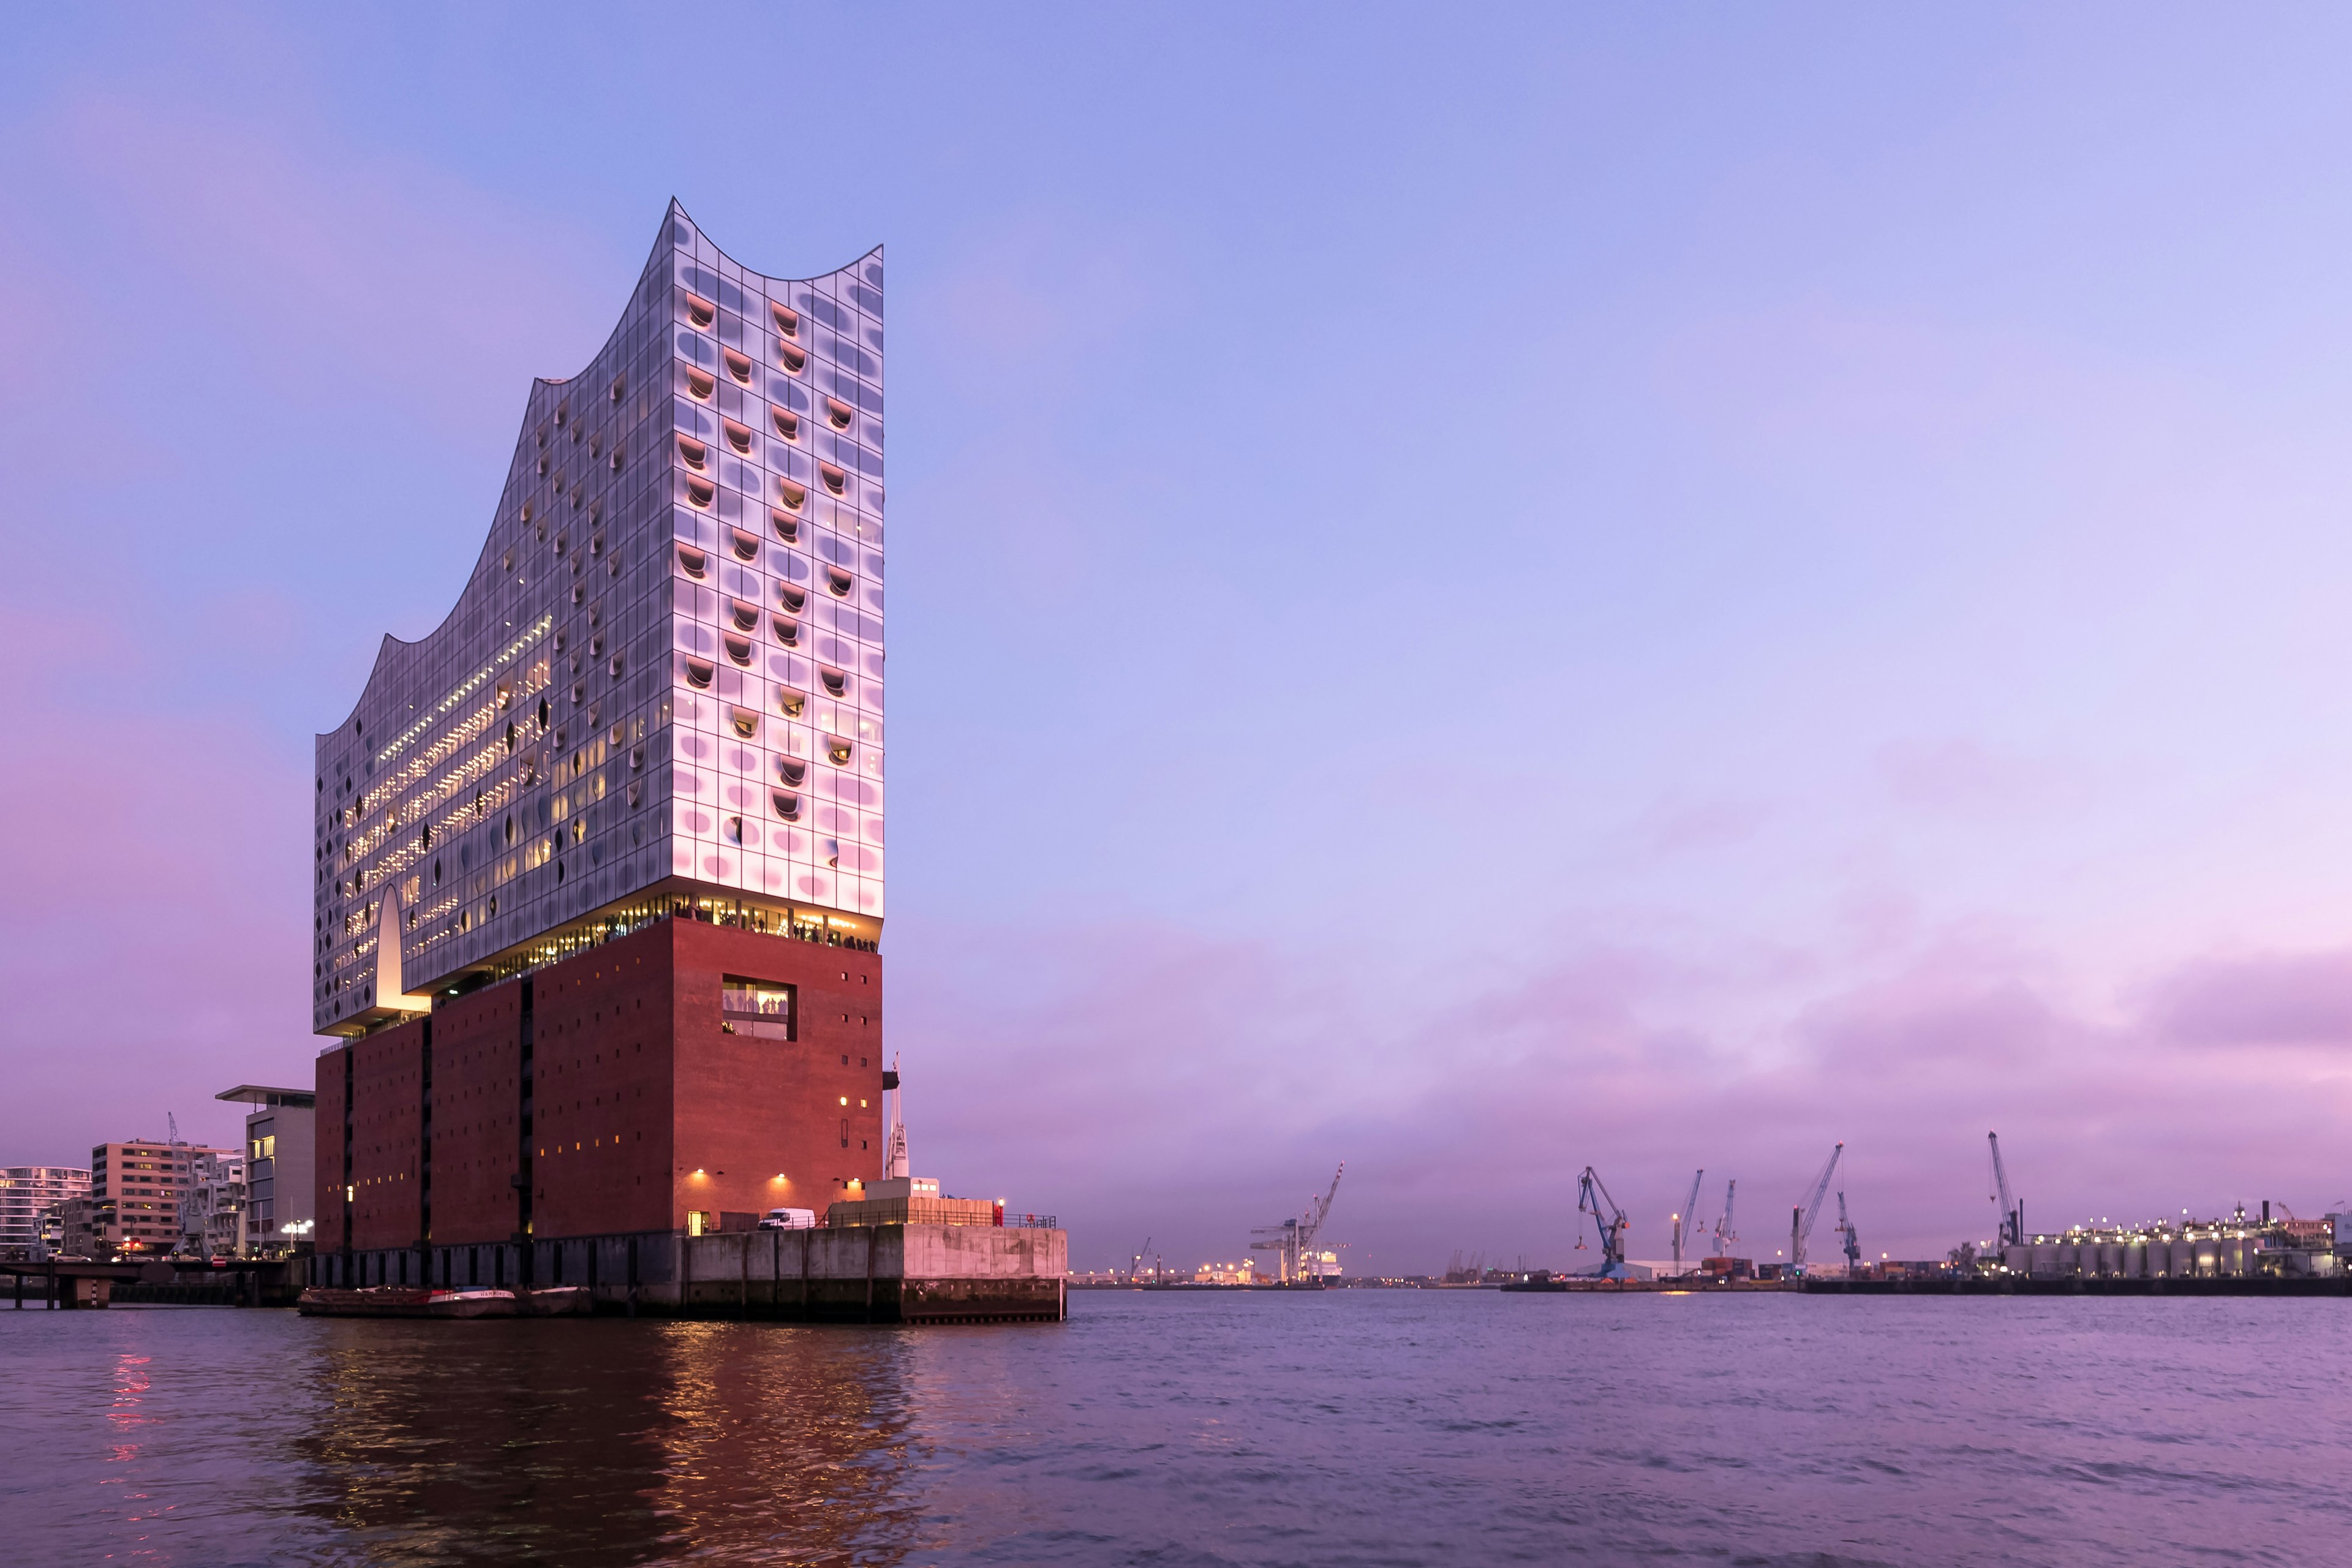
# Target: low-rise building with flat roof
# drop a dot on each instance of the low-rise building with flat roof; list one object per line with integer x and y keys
{"x": 281, "y": 1137}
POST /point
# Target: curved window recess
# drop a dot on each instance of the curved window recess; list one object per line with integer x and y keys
{"x": 788, "y": 527}
{"x": 620, "y": 386}
{"x": 788, "y": 630}
{"x": 837, "y": 681}
{"x": 701, "y": 492}
{"x": 738, "y": 366}
{"x": 837, "y": 749}
{"x": 562, "y": 412}
{"x": 618, "y": 459}
{"x": 696, "y": 454}
{"x": 840, "y": 413}
{"x": 739, "y": 650}
{"x": 595, "y": 547}
{"x": 636, "y": 758}
{"x": 578, "y": 592}
{"x": 698, "y": 674}
{"x": 542, "y": 465}
{"x": 701, "y": 312}
{"x": 747, "y": 723}
{"x": 746, "y": 546}
{"x": 700, "y": 386}
{"x": 788, "y": 423}
{"x": 787, "y": 320}
{"x": 562, "y": 543}
{"x": 787, "y": 803}
{"x": 795, "y": 360}
{"x": 511, "y": 736}
{"x": 739, "y": 436}
{"x": 542, "y": 712}
{"x": 509, "y": 830}
{"x": 579, "y": 694}
{"x": 560, "y": 635}
{"x": 507, "y": 564}
{"x": 436, "y": 873}
{"x": 636, "y": 795}
{"x": 746, "y": 616}
{"x": 613, "y": 669}
{"x": 733, "y": 827}
{"x": 540, "y": 532}
{"x": 791, "y": 598}
{"x": 835, "y": 479}
{"x": 792, "y": 703}
{"x": 526, "y": 511}
{"x": 792, "y": 769}
{"x": 838, "y": 581}
{"x": 693, "y": 561}
{"x": 794, "y": 496}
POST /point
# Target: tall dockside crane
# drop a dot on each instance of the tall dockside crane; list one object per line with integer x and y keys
{"x": 1592, "y": 1198}
{"x": 1724, "y": 1235}
{"x": 1852, "y": 1242}
{"x": 2012, "y": 1213}
{"x": 1294, "y": 1239}
{"x": 1135, "y": 1264}
{"x": 1801, "y": 1220}
{"x": 1689, "y": 1216}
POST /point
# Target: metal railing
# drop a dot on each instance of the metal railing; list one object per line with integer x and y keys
{"x": 1032, "y": 1222}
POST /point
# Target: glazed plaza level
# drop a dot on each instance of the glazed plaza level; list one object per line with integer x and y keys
{"x": 600, "y": 860}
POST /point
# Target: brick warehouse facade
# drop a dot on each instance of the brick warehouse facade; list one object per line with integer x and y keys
{"x": 605, "y": 1093}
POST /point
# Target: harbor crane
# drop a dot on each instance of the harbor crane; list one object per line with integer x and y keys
{"x": 2012, "y": 1212}
{"x": 1135, "y": 1264}
{"x": 1852, "y": 1241}
{"x": 1801, "y": 1220}
{"x": 1592, "y": 1198}
{"x": 1294, "y": 1239}
{"x": 1724, "y": 1235}
{"x": 1689, "y": 1216}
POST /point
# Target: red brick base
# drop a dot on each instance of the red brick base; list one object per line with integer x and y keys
{"x": 642, "y": 1107}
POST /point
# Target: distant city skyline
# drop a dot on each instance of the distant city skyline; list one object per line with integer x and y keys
{"x": 1573, "y": 588}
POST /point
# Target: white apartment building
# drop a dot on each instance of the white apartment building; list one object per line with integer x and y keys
{"x": 32, "y": 1199}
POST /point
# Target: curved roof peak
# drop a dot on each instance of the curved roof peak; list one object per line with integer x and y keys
{"x": 677, "y": 214}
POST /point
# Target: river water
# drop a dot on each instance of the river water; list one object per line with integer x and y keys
{"x": 1357, "y": 1428}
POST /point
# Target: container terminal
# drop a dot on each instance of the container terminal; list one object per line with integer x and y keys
{"x": 2267, "y": 1251}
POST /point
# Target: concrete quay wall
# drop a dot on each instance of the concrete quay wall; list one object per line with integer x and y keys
{"x": 883, "y": 1273}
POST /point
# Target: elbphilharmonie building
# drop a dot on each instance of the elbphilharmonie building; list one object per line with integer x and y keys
{"x": 600, "y": 859}
{"x": 662, "y": 687}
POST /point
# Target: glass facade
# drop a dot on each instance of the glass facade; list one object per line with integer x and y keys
{"x": 666, "y": 673}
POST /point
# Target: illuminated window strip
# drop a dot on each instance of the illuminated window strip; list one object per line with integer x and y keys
{"x": 533, "y": 634}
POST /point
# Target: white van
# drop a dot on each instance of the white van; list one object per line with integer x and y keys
{"x": 788, "y": 1219}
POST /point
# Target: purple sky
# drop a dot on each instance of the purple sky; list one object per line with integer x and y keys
{"x": 1579, "y": 589}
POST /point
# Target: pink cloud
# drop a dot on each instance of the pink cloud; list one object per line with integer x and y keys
{"x": 1191, "y": 1088}
{"x": 2260, "y": 999}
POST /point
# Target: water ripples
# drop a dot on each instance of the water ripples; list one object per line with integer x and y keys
{"x": 1181, "y": 1430}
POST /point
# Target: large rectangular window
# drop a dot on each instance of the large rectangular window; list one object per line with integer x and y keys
{"x": 761, "y": 1007}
